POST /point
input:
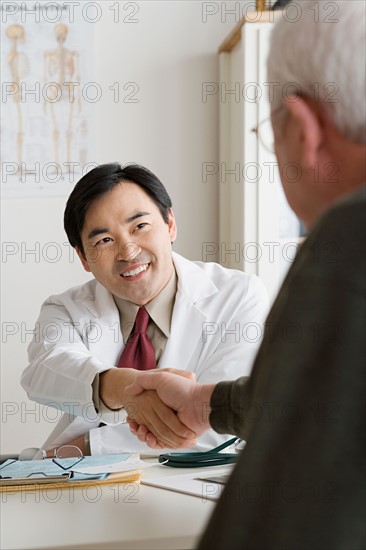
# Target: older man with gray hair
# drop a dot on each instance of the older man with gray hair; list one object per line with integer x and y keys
{"x": 300, "y": 481}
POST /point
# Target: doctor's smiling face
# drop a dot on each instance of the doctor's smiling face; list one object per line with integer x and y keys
{"x": 127, "y": 243}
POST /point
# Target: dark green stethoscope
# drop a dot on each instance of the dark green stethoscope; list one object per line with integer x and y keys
{"x": 195, "y": 460}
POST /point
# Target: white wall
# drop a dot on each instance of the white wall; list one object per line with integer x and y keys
{"x": 169, "y": 53}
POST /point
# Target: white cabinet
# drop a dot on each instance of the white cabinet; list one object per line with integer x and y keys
{"x": 258, "y": 231}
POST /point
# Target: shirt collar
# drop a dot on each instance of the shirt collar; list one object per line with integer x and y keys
{"x": 160, "y": 309}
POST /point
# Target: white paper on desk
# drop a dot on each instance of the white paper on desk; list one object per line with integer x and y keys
{"x": 192, "y": 484}
{"x": 124, "y": 466}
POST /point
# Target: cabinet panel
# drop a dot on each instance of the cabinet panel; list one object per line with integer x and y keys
{"x": 258, "y": 231}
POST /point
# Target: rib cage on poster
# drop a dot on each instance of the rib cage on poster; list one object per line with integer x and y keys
{"x": 48, "y": 94}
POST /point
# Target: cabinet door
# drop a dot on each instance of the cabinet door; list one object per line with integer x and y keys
{"x": 258, "y": 231}
{"x": 278, "y": 227}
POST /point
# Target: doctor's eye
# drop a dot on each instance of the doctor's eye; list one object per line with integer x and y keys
{"x": 104, "y": 241}
{"x": 140, "y": 226}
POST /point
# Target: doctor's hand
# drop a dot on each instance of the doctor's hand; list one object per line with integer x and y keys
{"x": 142, "y": 432}
{"x": 146, "y": 409}
{"x": 191, "y": 402}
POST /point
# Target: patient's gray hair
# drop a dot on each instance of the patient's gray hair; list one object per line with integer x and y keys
{"x": 323, "y": 54}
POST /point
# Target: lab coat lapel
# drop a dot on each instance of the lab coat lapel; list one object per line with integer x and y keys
{"x": 194, "y": 289}
{"x": 104, "y": 334}
{"x": 185, "y": 340}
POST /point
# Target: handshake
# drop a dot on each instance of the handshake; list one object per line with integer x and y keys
{"x": 167, "y": 408}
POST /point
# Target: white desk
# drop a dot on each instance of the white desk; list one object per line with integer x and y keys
{"x": 124, "y": 516}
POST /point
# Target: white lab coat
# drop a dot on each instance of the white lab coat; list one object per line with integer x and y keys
{"x": 216, "y": 328}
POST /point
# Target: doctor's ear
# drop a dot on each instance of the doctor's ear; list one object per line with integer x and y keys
{"x": 172, "y": 226}
{"x": 83, "y": 259}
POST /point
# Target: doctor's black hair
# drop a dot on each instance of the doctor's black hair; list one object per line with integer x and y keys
{"x": 280, "y": 4}
{"x": 100, "y": 181}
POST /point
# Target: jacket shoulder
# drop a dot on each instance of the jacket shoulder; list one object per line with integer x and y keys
{"x": 335, "y": 248}
{"x": 234, "y": 285}
{"x": 350, "y": 212}
{"x": 75, "y": 294}
{"x": 226, "y": 276}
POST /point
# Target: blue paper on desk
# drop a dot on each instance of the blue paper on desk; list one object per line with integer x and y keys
{"x": 24, "y": 468}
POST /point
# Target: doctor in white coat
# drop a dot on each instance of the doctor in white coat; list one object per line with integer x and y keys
{"x": 204, "y": 319}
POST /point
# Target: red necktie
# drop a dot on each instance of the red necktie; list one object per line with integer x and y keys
{"x": 138, "y": 352}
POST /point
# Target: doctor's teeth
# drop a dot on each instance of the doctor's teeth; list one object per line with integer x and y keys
{"x": 136, "y": 271}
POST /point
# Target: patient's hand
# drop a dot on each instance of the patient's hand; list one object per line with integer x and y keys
{"x": 146, "y": 409}
{"x": 191, "y": 402}
{"x": 167, "y": 419}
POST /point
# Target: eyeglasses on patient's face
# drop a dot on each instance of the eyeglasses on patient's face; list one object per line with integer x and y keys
{"x": 264, "y": 130}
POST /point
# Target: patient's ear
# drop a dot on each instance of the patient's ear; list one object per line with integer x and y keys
{"x": 311, "y": 128}
{"x": 83, "y": 259}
